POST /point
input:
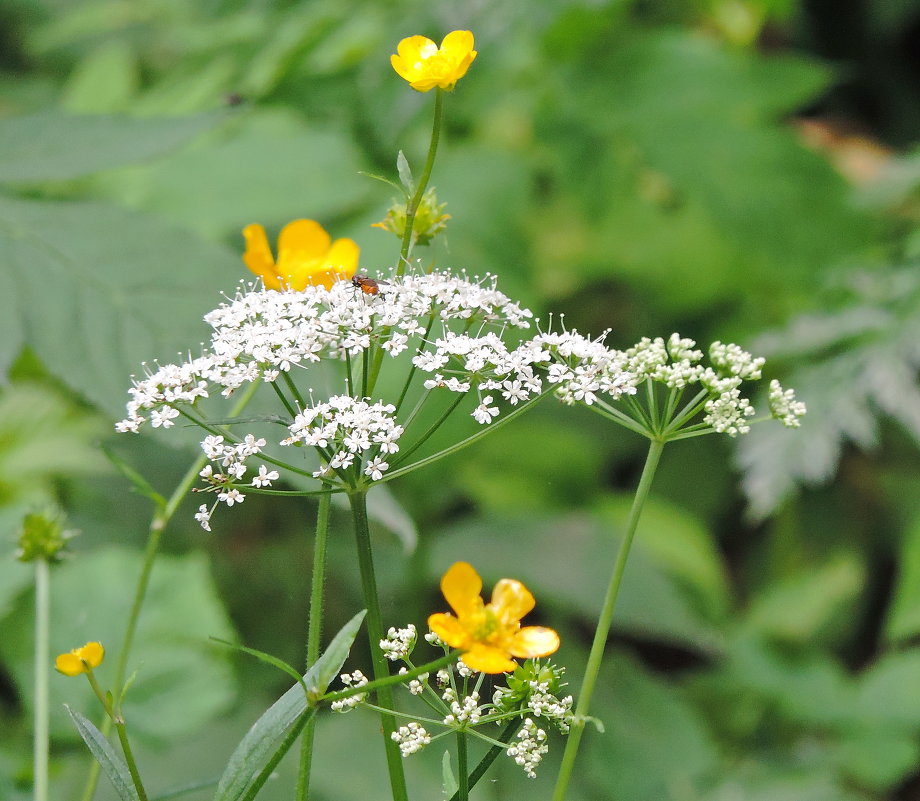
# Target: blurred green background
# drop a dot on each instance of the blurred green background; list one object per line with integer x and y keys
{"x": 740, "y": 170}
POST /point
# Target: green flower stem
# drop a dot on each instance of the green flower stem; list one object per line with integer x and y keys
{"x": 389, "y": 681}
{"x": 358, "y": 501}
{"x": 114, "y": 715}
{"x": 463, "y": 789}
{"x": 431, "y": 430}
{"x": 292, "y": 388}
{"x": 491, "y": 755}
{"x": 283, "y": 398}
{"x": 603, "y": 624}
{"x": 314, "y": 632}
{"x": 42, "y": 660}
{"x": 161, "y": 517}
{"x": 486, "y": 429}
{"x": 412, "y": 207}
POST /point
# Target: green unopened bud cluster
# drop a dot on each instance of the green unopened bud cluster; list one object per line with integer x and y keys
{"x": 43, "y": 536}
{"x": 430, "y": 219}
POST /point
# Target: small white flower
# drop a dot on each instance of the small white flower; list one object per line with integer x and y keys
{"x": 484, "y": 413}
{"x": 265, "y": 477}
{"x": 231, "y": 496}
{"x": 203, "y": 516}
{"x": 411, "y": 738}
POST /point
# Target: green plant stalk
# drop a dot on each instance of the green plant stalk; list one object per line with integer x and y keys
{"x": 358, "y": 501}
{"x": 314, "y": 634}
{"x": 412, "y": 207}
{"x": 492, "y": 754}
{"x": 463, "y": 789}
{"x": 161, "y": 517}
{"x": 42, "y": 659}
{"x": 604, "y": 620}
{"x": 114, "y": 714}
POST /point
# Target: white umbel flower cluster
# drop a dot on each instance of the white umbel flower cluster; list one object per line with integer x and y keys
{"x": 784, "y": 406}
{"x": 411, "y": 738}
{"x": 530, "y": 748}
{"x": 262, "y": 333}
{"x": 399, "y": 643}
{"x": 355, "y": 679}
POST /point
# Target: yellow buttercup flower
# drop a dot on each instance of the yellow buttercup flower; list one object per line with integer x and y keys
{"x": 80, "y": 660}
{"x": 489, "y": 634}
{"x": 425, "y": 65}
{"x": 306, "y": 255}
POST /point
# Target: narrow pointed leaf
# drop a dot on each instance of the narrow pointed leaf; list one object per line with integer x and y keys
{"x": 113, "y": 766}
{"x": 405, "y": 173}
{"x": 273, "y": 733}
{"x": 274, "y": 661}
{"x": 449, "y": 786}
{"x": 140, "y": 484}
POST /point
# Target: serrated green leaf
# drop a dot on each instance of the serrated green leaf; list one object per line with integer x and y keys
{"x": 269, "y": 736}
{"x": 99, "y": 290}
{"x": 113, "y": 765}
{"x": 53, "y": 146}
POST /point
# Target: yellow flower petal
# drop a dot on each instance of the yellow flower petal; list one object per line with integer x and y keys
{"x": 80, "y": 660}
{"x": 534, "y": 641}
{"x": 488, "y": 659}
{"x": 449, "y": 629}
{"x": 462, "y": 586}
{"x": 424, "y": 65}
{"x": 306, "y": 256}
{"x": 511, "y": 600}
{"x": 258, "y": 255}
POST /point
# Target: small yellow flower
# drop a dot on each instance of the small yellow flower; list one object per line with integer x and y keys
{"x": 489, "y": 634}
{"x": 306, "y": 255}
{"x": 425, "y": 65}
{"x": 80, "y": 660}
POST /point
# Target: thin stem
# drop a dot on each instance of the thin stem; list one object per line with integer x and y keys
{"x": 412, "y": 207}
{"x": 358, "y": 501}
{"x": 431, "y": 429}
{"x": 283, "y": 398}
{"x": 463, "y": 789}
{"x": 389, "y": 681}
{"x": 314, "y": 632}
{"x": 603, "y": 623}
{"x": 160, "y": 518}
{"x": 486, "y": 429}
{"x": 292, "y": 387}
{"x": 42, "y": 657}
{"x": 129, "y": 758}
{"x": 110, "y": 705}
{"x": 492, "y": 754}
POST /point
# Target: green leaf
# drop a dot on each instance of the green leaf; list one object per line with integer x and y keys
{"x": 274, "y": 661}
{"x": 890, "y": 690}
{"x": 52, "y": 146}
{"x": 103, "y": 81}
{"x": 99, "y": 290}
{"x": 545, "y": 552}
{"x": 798, "y": 609}
{"x": 140, "y": 484}
{"x": 248, "y": 173}
{"x": 270, "y": 735}
{"x": 405, "y": 173}
{"x": 112, "y": 764}
{"x": 877, "y": 757}
{"x": 183, "y": 680}
{"x": 449, "y": 784}
{"x": 904, "y": 618}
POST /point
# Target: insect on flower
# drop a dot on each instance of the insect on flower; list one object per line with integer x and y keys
{"x": 367, "y": 285}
